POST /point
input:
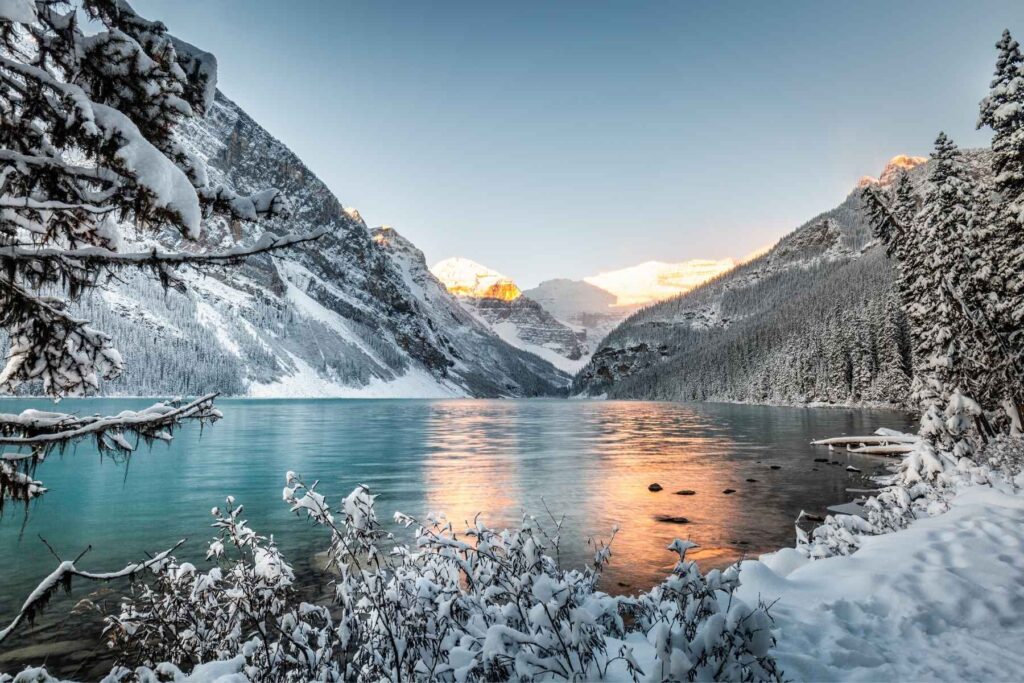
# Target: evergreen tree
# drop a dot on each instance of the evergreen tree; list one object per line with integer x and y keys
{"x": 892, "y": 379}
{"x": 946, "y": 221}
{"x": 88, "y": 153}
{"x": 1002, "y": 243}
{"x": 861, "y": 365}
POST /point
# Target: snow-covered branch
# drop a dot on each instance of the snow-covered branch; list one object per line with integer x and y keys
{"x": 47, "y": 344}
{"x": 39, "y": 428}
{"x": 39, "y": 432}
{"x": 61, "y": 578}
{"x": 94, "y": 257}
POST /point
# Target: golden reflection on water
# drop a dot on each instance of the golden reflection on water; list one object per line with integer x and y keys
{"x": 499, "y": 461}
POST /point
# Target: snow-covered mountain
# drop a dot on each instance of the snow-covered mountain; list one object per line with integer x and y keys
{"x": 496, "y": 301}
{"x": 343, "y": 316}
{"x": 469, "y": 279}
{"x": 582, "y": 306}
{"x": 597, "y": 304}
{"x": 813, "y": 319}
{"x": 565, "y": 320}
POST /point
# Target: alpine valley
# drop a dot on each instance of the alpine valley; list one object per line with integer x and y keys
{"x": 360, "y": 314}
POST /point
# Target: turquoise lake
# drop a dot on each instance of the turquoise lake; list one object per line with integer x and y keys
{"x": 591, "y": 461}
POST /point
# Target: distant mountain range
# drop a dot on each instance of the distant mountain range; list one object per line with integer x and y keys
{"x": 359, "y": 313}
{"x": 564, "y": 320}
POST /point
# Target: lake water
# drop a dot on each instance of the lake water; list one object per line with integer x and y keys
{"x": 591, "y": 461}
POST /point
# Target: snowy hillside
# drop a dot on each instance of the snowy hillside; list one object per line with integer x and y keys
{"x": 335, "y": 318}
{"x": 813, "y": 319}
{"x": 497, "y": 302}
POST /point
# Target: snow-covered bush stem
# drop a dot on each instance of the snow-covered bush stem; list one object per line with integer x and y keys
{"x": 61, "y": 578}
{"x": 452, "y": 606}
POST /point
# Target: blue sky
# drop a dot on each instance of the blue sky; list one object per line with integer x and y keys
{"x": 558, "y": 139}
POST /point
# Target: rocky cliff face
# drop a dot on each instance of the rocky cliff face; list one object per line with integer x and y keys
{"x": 896, "y": 165}
{"x": 333, "y": 318}
{"x": 485, "y": 361}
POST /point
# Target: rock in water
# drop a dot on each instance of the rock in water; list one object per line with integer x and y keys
{"x": 654, "y": 487}
{"x": 670, "y": 519}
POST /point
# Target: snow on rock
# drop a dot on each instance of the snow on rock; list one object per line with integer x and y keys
{"x": 18, "y": 11}
{"x": 940, "y": 600}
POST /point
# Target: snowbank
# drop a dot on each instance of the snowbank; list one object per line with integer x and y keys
{"x": 940, "y": 600}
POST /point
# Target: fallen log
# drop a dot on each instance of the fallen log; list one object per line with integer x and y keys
{"x": 865, "y": 440}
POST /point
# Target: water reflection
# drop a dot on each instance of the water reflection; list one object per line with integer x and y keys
{"x": 589, "y": 461}
{"x": 593, "y": 462}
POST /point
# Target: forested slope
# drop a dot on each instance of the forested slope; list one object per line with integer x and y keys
{"x": 814, "y": 319}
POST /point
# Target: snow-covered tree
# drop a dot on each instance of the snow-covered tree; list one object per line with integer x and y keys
{"x": 90, "y": 164}
{"x": 939, "y": 273}
{"x": 1002, "y": 258}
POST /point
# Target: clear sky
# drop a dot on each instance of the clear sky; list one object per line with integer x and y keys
{"x": 558, "y": 139}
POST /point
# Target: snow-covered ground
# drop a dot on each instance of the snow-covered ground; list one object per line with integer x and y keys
{"x": 509, "y": 333}
{"x": 940, "y": 600}
{"x": 306, "y": 382}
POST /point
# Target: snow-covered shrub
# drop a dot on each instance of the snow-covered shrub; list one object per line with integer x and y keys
{"x": 243, "y": 607}
{"x": 946, "y": 459}
{"x": 454, "y": 606}
{"x": 1006, "y": 454}
{"x": 698, "y": 635}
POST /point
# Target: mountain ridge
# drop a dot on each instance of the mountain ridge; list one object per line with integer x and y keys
{"x": 334, "y": 318}
{"x": 812, "y": 320}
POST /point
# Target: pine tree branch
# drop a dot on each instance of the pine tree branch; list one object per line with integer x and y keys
{"x": 43, "y": 429}
{"x": 78, "y": 258}
{"x": 48, "y": 344}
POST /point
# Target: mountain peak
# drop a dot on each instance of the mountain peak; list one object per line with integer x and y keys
{"x": 896, "y": 165}
{"x": 466, "y": 278}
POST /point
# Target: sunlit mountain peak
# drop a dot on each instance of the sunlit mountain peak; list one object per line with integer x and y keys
{"x": 899, "y": 163}
{"x": 463, "y": 277}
